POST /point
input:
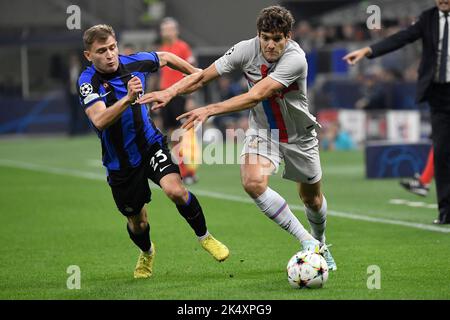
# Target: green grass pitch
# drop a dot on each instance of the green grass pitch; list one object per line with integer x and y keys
{"x": 56, "y": 210}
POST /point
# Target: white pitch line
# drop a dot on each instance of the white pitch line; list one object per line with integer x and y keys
{"x": 414, "y": 204}
{"x": 217, "y": 195}
{"x": 330, "y": 212}
{"x": 94, "y": 163}
{"x": 60, "y": 171}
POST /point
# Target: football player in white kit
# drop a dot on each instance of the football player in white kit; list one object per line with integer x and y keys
{"x": 280, "y": 125}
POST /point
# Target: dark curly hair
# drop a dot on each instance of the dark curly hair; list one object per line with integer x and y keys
{"x": 275, "y": 19}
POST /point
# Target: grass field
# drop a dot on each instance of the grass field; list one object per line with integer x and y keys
{"x": 56, "y": 210}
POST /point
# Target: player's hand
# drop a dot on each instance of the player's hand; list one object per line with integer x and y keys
{"x": 194, "y": 117}
{"x": 353, "y": 57}
{"x": 159, "y": 99}
{"x": 134, "y": 87}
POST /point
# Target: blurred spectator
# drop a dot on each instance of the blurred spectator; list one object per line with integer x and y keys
{"x": 333, "y": 138}
{"x": 10, "y": 85}
{"x": 228, "y": 89}
{"x": 330, "y": 34}
{"x": 348, "y": 32}
{"x": 171, "y": 42}
{"x": 57, "y": 67}
{"x": 78, "y": 123}
{"x": 320, "y": 37}
{"x": 410, "y": 74}
{"x": 420, "y": 183}
{"x": 304, "y": 36}
{"x": 128, "y": 48}
{"x": 373, "y": 91}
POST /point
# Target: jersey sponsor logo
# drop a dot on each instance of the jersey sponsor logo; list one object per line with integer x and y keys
{"x": 86, "y": 89}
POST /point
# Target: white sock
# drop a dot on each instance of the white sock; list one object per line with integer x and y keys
{"x": 204, "y": 236}
{"x": 318, "y": 221}
{"x": 277, "y": 209}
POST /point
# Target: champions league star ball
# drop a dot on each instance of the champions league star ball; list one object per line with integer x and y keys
{"x": 307, "y": 269}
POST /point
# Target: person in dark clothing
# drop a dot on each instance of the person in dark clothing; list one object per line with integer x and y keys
{"x": 432, "y": 28}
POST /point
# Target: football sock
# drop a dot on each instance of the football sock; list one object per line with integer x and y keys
{"x": 193, "y": 213}
{"x": 318, "y": 220}
{"x": 277, "y": 209}
{"x": 203, "y": 237}
{"x": 142, "y": 240}
{"x": 428, "y": 172}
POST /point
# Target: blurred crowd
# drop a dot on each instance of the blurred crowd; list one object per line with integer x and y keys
{"x": 371, "y": 81}
{"x": 311, "y": 36}
{"x": 381, "y": 84}
{"x": 398, "y": 65}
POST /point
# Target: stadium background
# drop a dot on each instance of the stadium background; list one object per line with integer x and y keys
{"x": 52, "y": 176}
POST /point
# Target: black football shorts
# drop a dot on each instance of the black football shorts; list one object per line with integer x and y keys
{"x": 130, "y": 187}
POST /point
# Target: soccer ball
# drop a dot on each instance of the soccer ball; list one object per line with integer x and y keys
{"x": 307, "y": 269}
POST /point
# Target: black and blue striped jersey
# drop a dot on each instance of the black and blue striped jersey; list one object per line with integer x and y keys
{"x": 127, "y": 141}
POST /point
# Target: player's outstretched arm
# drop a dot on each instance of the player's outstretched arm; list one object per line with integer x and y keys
{"x": 175, "y": 62}
{"x": 353, "y": 57}
{"x": 261, "y": 91}
{"x": 186, "y": 85}
{"x": 389, "y": 44}
{"x": 103, "y": 117}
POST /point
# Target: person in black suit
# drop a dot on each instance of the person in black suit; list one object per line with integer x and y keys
{"x": 433, "y": 85}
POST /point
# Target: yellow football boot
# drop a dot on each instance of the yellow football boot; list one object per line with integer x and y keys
{"x": 144, "y": 266}
{"x": 216, "y": 248}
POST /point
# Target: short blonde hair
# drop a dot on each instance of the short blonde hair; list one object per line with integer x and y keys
{"x": 99, "y": 32}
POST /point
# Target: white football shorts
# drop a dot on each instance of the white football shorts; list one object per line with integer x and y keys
{"x": 301, "y": 159}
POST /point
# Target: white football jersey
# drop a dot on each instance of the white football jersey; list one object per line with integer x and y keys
{"x": 287, "y": 110}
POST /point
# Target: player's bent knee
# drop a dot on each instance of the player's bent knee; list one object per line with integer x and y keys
{"x": 254, "y": 188}
{"x": 176, "y": 193}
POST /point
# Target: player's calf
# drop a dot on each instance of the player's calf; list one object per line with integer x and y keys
{"x": 139, "y": 231}
{"x": 192, "y": 211}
